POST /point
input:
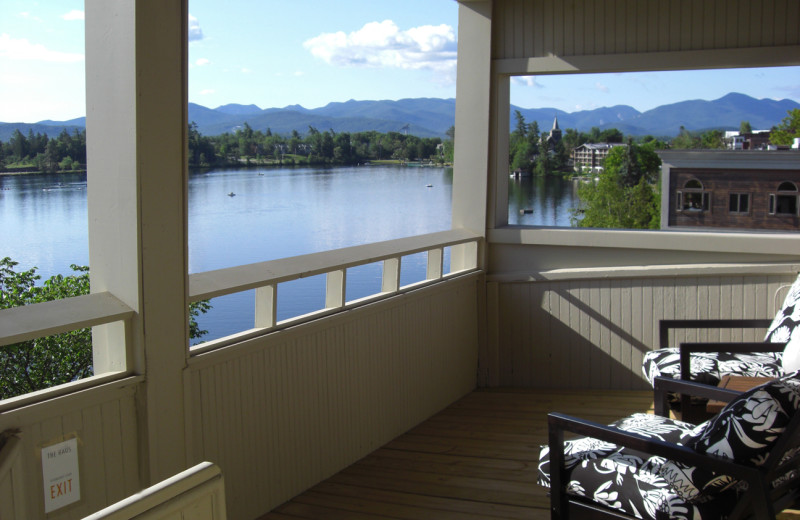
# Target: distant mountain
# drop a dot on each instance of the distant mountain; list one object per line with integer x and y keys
{"x": 725, "y": 113}
{"x": 51, "y": 128}
{"x": 432, "y": 117}
{"x": 235, "y": 109}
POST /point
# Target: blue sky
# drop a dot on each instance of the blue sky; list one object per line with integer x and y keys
{"x": 312, "y": 52}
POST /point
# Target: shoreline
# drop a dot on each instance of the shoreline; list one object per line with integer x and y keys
{"x": 37, "y": 172}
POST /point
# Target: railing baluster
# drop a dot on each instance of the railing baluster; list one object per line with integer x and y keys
{"x": 266, "y": 306}
{"x": 391, "y": 275}
{"x": 435, "y": 264}
{"x": 335, "y": 289}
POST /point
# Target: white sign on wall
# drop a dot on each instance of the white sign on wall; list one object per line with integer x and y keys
{"x": 62, "y": 484}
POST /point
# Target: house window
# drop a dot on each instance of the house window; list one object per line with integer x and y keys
{"x": 784, "y": 201}
{"x": 739, "y": 203}
{"x": 693, "y": 198}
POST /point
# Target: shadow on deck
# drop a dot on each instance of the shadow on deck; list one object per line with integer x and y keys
{"x": 474, "y": 460}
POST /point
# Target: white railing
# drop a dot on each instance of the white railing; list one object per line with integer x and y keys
{"x": 266, "y": 277}
{"x": 55, "y": 317}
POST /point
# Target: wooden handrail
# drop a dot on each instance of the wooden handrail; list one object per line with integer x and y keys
{"x": 210, "y": 284}
{"x": 45, "y": 319}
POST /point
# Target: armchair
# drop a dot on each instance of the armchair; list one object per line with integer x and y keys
{"x": 778, "y": 354}
{"x": 743, "y": 463}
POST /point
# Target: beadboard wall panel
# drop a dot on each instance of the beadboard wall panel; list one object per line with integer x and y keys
{"x": 282, "y": 412}
{"x": 541, "y": 28}
{"x": 592, "y": 333}
{"x": 104, "y": 420}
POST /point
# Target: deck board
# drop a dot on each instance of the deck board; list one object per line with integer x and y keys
{"x": 474, "y": 460}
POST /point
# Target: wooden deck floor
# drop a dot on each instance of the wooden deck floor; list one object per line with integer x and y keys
{"x": 474, "y": 460}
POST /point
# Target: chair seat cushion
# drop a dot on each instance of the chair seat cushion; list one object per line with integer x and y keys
{"x": 628, "y": 480}
{"x": 709, "y": 367}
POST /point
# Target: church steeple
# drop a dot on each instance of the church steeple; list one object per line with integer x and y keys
{"x": 555, "y": 133}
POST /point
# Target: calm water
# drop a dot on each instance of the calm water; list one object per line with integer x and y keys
{"x": 541, "y": 201}
{"x": 274, "y": 213}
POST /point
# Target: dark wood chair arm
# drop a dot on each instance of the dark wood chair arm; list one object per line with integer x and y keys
{"x": 664, "y": 326}
{"x": 663, "y": 386}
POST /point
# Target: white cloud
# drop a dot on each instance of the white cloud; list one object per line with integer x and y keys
{"x": 73, "y": 15}
{"x": 245, "y": 70}
{"x": 207, "y": 92}
{"x": 602, "y": 88}
{"x": 202, "y": 61}
{"x": 22, "y": 49}
{"x": 526, "y": 81}
{"x": 383, "y": 44}
{"x": 195, "y": 32}
{"x": 27, "y": 16}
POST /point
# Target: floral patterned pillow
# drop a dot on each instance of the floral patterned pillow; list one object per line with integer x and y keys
{"x": 745, "y": 431}
{"x": 785, "y": 322}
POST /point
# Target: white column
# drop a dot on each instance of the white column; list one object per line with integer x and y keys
{"x": 473, "y": 115}
{"x": 136, "y": 77}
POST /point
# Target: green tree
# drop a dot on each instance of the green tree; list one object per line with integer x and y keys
{"x": 745, "y": 128}
{"x": 19, "y": 145}
{"x": 618, "y": 199}
{"x": 787, "y": 130}
{"x": 44, "y": 362}
{"x": 713, "y": 140}
{"x": 685, "y": 140}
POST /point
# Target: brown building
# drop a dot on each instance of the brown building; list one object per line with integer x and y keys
{"x": 730, "y": 189}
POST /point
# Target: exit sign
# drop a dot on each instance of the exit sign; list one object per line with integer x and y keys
{"x": 62, "y": 485}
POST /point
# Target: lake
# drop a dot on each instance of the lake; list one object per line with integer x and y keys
{"x": 241, "y": 216}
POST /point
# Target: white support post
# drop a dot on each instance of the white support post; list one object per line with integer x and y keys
{"x": 335, "y": 289}
{"x": 136, "y": 127}
{"x": 435, "y": 264}
{"x": 266, "y": 306}
{"x": 473, "y": 166}
{"x": 390, "y": 282}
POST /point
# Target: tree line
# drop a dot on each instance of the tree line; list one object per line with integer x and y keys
{"x": 249, "y": 146}
{"x": 38, "y": 152}
{"x": 245, "y": 146}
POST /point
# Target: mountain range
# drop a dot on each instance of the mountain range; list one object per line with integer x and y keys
{"x": 432, "y": 117}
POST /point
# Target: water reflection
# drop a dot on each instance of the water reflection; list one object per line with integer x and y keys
{"x": 541, "y": 201}
{"x": 244, "y": 216}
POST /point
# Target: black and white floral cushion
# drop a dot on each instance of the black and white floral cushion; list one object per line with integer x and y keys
{"x": 628, "y": 480}
{"x": 709, "y": 367}
{"x": 787, "y": 319}
{"x": 744, "y": 431}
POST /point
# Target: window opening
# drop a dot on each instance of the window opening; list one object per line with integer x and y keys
{"x": 739, "y": 203}
{"x": 693, "y": 197}
{"x": 784, "y": 202}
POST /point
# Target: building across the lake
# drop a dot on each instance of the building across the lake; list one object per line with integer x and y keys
{"x": 730, "y": 189}
{"x": 758, "y": 140}
{"x": 590, "y": 156}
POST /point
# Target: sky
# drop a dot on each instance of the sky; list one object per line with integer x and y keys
{"x": 275, "y": 53}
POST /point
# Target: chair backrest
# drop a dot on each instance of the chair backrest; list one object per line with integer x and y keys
{"x": 784, "y": 329}
{"x": 787, "y": 318}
